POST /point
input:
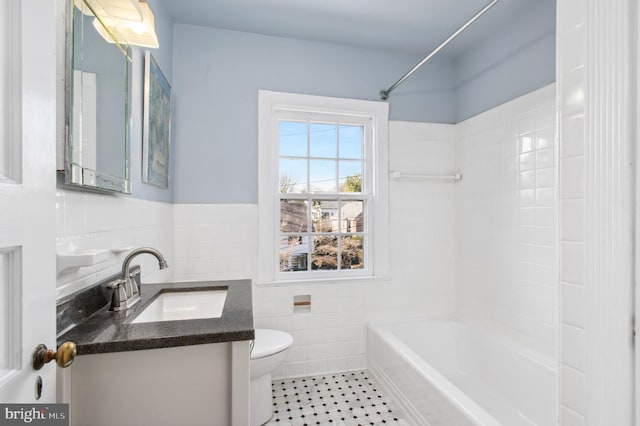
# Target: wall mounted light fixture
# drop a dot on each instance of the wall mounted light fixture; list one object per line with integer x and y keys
{"x": 122, "y": 21}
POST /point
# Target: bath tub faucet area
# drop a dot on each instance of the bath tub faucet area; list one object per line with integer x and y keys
{"x": 125, "y": 290}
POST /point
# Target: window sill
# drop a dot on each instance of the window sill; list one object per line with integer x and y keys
{"x": 361, "y": 278}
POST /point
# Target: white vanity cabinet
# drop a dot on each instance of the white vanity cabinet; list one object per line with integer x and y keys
{"x": 192, "y": 385}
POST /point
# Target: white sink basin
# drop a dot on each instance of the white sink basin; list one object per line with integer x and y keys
{"x": 184, "y": 305}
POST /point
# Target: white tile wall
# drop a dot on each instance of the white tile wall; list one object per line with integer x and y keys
{"x": 506, "y": 226}
{"x": 571, "y": 59}
{"x": 570, "y": 418}
{"x": 215, "y": 241}
{"x": 422, "y": 255}
{"x": 572, "y": 346}
{"x": 596, "y": 45}
{"x": 220, "y": 242}
{"x": 94, "y": 221}
{"x": 572, "y": 392}
{"x": 572, "y": 308}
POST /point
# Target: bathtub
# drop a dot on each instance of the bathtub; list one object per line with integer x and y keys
{"x": 452, "y": 373}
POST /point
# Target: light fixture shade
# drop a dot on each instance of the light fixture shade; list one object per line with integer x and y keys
{"x": 122, "y": 21}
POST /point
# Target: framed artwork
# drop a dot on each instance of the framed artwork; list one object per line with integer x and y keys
{"x": 156, "y": 127}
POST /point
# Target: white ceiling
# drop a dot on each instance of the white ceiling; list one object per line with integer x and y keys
{"x": 414, "y": 26}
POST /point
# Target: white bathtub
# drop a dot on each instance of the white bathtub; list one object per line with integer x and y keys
{"x": 450, "y": 373}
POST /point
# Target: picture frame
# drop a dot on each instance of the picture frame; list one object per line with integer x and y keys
{"x": 156, "y": 127}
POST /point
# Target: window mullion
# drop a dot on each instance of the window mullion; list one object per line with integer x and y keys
{"x": 293, "y": 196}
{"x": 309, "y": 212}
{"x": 325, "y": 196}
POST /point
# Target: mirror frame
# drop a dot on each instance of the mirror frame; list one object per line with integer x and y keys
{"x": 74, "y": 175}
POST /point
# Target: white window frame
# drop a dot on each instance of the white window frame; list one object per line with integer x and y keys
{"x": 275, "y": 106}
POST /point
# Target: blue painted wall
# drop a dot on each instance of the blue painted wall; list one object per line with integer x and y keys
{"x": 217, "y": 74}
{"x": 515, "y": 60}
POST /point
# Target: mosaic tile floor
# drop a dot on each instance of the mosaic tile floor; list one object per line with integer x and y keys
{"x": 345, "y": 399}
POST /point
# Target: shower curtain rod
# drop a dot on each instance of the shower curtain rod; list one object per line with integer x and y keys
{"x": 384, "y": 94}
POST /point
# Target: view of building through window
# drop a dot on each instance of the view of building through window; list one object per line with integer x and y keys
{"x": 321, "y": 196}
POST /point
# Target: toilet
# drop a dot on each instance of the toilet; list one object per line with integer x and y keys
{"x": 269, "y": 350}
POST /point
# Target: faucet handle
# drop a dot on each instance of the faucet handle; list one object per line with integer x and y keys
{"x": 115, "y": 284}
{"x": 119, "y": 297}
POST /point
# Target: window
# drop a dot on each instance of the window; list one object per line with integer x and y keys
{"x": 322, "y": 194}
{"x": 323, "y": 185}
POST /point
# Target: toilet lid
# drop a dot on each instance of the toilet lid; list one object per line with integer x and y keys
{"x": 269, "y": 342}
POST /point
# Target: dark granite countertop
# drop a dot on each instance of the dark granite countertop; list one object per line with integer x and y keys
{"x": 105, "y": 331}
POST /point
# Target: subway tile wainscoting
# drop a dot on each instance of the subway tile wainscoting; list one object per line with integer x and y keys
{"x": 89, "y": 221}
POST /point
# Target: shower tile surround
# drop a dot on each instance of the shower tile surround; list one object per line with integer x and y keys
{"x": 572, "y": 40}
{"x": 506, "y": 230}
{"x": 596, "y": 45}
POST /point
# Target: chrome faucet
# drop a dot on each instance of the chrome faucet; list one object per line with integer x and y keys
{"x": 126, "y": 291}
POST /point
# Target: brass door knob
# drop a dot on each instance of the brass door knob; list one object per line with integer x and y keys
{"x": 64, "y": 356}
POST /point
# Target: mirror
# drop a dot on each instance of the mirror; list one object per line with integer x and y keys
{"x": 97, "y": 103}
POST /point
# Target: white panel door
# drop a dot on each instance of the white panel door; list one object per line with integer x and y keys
{"x": 27, "y": 196}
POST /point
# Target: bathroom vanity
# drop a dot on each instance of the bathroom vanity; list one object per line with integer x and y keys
{"x": 168, "y": 372}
